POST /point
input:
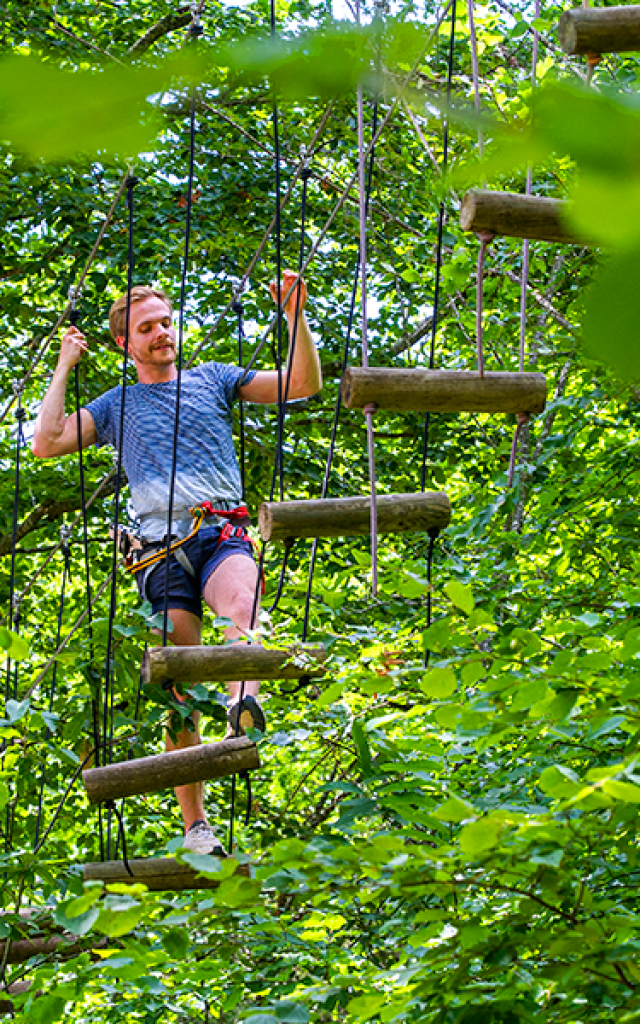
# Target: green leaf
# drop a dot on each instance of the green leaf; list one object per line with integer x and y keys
{"x": 454, "y": 809}
{"x": 16, "y": 710}
{"x": 77, "y": 924}
{"x": 479, "y": 836}
{"x": 119, "y": 922}
{"x": 626, "y": 791}
{"x": 362, "y": 746}
{"x": 438, "y": 682}
{"x": 293, "y": 1013}
{"x": 176, "y": 941}
{"x": 460, "y": 595}
{"x": 612, "y": 315}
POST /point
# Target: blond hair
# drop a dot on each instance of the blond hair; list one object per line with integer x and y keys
{"x": 118, "y": 311}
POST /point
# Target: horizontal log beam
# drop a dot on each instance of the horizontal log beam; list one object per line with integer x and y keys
{"x": 516, "y": 216}
{"x": 404, "y": 390}
{"x": 158, "y": 874}
{"x": 233, "y": 662}
{"x": 600, "y": 30}
{"x": 21, "y": 950}
{"x": 173, "y": 768}
{"x": 347, "y": 517}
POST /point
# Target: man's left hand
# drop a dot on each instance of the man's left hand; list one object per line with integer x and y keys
{"x": 298, "y": 298}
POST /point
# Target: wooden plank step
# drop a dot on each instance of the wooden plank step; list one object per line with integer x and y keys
{"x": 173, "y": 768}
{"x": 346, "y": 517}
{"x": 158, "y": 874}
{"x": 233, "y": 662}
{"x": 419, "y": 390}
{"x": 516, "y": 216}
{"x": 600, "y": 30}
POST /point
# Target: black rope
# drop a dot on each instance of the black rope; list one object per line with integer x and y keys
{"x": 108, "y": 711}
{"x": 439, "y": 247}
{"x": 436, "y": 306}
{"x": 112, "y": 806}
{"x": 345, "y": 363}
{"x": 74, "y": 317}
{"x": 288, "y": 545}
{"x": 176, "y": 425}
{"x": 14, "y": 611}
{"x": 238, "y": 309}
{"x": 66, "y": 572}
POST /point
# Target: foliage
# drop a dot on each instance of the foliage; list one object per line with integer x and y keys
{"x": 455, "y": 842}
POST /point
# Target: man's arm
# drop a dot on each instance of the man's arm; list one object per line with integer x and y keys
{"x": 55, "y": 433}
{"x": 306, "y": 375}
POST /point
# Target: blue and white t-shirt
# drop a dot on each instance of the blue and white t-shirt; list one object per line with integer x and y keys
{"x": 207, "y": 468}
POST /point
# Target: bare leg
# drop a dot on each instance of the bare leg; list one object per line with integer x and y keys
{"x": 187, "y": 631}
{"x": 230, "y": 593}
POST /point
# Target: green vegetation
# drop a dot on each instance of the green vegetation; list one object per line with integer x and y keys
{"x": 450, "y": 845}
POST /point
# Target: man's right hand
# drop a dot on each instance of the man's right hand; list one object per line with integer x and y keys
{"x": 72, "y": 348}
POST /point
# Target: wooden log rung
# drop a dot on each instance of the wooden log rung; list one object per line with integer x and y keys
{"x": 173, "y": 768}
{"x": 428, "y": 511}
{"x": 21, "y": 950}
{"x": 513, "y": 215}
{"x": 600, "y": 30}
{"x": 233, "y": 662}
{"x": 158, "y": 874}
{"x": 419, "y": 390}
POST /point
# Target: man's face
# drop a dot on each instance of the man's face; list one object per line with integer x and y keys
{"x": 152, "y": 338}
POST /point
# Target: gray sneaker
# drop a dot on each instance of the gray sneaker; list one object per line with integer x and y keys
{"x": 202, "y": 839}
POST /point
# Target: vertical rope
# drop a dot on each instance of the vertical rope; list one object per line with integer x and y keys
{"x": 436, "y": 305}
{"x": 66, "y": 572}
{"x": 336, "y": 415}
{"x": 108, "y": 707}
{"x": 439, "y": 246}
{"x": 369, "y": 409}
{"x": 183, "y": 292}
{"x": 522, "y": 418}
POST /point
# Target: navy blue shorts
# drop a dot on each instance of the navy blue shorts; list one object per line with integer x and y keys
{"x": 185, "y": 590}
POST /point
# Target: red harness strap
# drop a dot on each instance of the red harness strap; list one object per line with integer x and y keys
{"x": 241, "y": 517}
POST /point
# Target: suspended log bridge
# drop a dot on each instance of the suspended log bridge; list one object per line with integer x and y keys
{"x": 600, "y": 30}
{"x": 419, "y": 390}
{"x": 517, "y": 216}
{"x": 173, "y": 768}
{"x": 158, "y": 874}
{"x": 346, "y": 517}
{"x": 237, "y": 661}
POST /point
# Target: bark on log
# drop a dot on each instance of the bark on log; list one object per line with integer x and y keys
{"x": 516, "y": 216}
{"x": 159, "y": 874}
{"x": 600, "y": 30}
{"x": 401, "y": 390}
{"x": 234, "y": 662}
{"x": 346, "y": 517}
{"x": 173, "y": 768}
{"x": 39, "y": 945}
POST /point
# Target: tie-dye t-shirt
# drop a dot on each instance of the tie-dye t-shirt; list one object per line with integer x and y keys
{"x": 207, "y": 468}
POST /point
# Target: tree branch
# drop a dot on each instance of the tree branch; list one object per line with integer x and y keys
{"x": 169, "y": 23}
{"x": 48, "y": 511}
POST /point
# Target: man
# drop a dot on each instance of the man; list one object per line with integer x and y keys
{"x": 212, "y": 565}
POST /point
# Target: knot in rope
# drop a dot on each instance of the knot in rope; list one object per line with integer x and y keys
{"x": 237, "y": 306}
{"x": 522, "y": 418}
{"x": 486, "y": 237}
{"x": 369, "y": 408}
{"x": 21, "y": 414}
